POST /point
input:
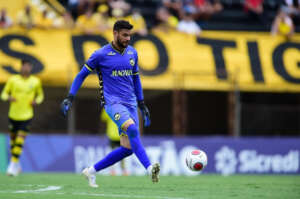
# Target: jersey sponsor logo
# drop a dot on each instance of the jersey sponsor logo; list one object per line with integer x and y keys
{"x": 130, "y": 52}
{"x": 122, "y": 73}
{"x": 132, "y": 62}
{"x": 111, "y": 53}
{"x": 117, "y": 116}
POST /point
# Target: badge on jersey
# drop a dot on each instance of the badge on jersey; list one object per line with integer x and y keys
{"x": 111, "y": 53}
{"x": 117, "y": 116}
{"x": 132, "y": 62}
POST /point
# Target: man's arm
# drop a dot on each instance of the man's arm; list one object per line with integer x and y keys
{"x": 139, "y": 95}
{"x": 91, "y": 64}
{"x": 39, "y": 94}
{"x": 5, "y": 95}
{"x": 138, "y": 87}
{"x": 140, "y": 98}
{"x": 67, "y": 103}
{"x": 79, "y": 80}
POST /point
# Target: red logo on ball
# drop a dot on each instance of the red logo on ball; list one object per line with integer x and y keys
{"x": 195, "y": 152}
{"x": 198, "y": 166}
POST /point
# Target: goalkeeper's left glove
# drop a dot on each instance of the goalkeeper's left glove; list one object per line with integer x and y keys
{"x": 145, "y": 112}
{"x": 66, "y": 105}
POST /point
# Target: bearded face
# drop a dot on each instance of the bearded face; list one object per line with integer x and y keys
{"x": 122, "y": 37}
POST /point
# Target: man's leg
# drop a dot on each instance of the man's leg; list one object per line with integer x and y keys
{"x": 110, "y": 159}
{"x": 113, "y": 146}
{"x": 119, "y": 114}
{"x": 138, "y": 149}
{"x": 118, "y": 144}
{"x": 19, "y": 131}
{"x": 18, "y": 146}
{"x": 13, "y": 135}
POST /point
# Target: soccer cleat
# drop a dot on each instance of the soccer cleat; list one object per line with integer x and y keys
{"x": 91, "y": 178}
{"x": 13, "y": 169}
{"x": 155, "y": 172}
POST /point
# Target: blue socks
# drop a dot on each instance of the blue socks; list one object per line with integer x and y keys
{"x": 113, "y": 157}
{"x": 136, "y": 145}
{"x": 122, "y": 152}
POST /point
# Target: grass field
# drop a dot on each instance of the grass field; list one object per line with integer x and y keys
{"x": 73, "y": 186}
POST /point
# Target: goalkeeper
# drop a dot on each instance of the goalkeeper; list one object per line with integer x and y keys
{"x": 116, "y": 65}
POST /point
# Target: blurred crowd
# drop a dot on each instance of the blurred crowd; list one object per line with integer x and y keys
{"x": 93, "y": 16}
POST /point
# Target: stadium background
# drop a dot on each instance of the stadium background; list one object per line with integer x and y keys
{"x": 233, "y": 90}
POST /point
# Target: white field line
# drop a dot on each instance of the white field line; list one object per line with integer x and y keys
{"x": 29, "y": 185}
{"x": 49, "y": 188}
{"x": 124, "y": 196}
{"x": 54, "y": 188}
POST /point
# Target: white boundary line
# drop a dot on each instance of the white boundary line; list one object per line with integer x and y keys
{"x": 55, "y": 188}
{"x": 124, "y": 196}
{"x": 49, "y": 188}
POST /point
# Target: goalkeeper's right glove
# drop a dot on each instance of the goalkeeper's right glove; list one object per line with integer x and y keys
{"x": 145, "y": 113}
{"x": 66, "y": 105}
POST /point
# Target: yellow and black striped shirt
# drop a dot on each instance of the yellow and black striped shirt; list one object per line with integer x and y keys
{"x": 25, "y": 91}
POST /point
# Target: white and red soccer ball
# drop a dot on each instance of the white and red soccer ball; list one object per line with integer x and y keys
{"x": 196, "y": 160}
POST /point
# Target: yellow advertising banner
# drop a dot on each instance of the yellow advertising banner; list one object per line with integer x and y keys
{"x": 217, "y": 60}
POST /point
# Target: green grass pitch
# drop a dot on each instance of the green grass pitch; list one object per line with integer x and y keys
{"x": 74, "y": 186}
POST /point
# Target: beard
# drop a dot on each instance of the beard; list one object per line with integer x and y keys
{"x": 122, "y": 45}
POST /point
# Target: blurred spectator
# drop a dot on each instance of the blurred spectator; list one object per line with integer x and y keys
{"x": 165, "y": 21}
{"x": 174, "y": 7}
{"x": 5, "y": 21}
{"x": 119, "y": 4}
{"x": 116, "y": 14}
{"x": 189, "y": 6}
{"x": 119, "y": 8}
{"x": 86, "y": 22}
{"x": 188, "y": 25}
{"x": 78, "y": 7}
{"x": 254, "y": 6}
{"x": 283, "y": 25}
{"x": 206, "y": 8}
{"x": 25, "y": 18}
{"x": 72, "y": 7}
{"x": 44, "y": 21}
{"x": 68, "y": 21}
{"x": 291, "y": 7}
{"x": 255, "y": 9}
{"x": 64, "y": 21}
{"x": 101, "y": 17}
{"x": 138, "y": 22}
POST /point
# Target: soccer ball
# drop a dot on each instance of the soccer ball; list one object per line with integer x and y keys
{"x": 196, "y": 160}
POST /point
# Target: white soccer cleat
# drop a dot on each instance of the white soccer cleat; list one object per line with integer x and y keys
{"x": 90, "y": 177}
{"x": 155, "y": 172}
{"x": 13, "y": 169}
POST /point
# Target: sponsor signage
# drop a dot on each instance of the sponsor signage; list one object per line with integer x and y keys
{"x": 217, "y": 60}
{"x": 226, "y": 156}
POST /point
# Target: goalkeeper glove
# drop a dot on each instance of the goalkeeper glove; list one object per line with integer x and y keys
{"x": 66, "y": 105}
{"x": 145, "y": 113}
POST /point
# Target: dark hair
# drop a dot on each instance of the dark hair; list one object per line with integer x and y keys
{"x": 122, "y": 24}
{"x": 25, "y": 61}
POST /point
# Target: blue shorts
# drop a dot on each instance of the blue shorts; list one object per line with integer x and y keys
{"x": 121, "y": 113}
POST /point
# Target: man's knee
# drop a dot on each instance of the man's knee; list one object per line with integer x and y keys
{"x": 125, "y": 142}
{"x": 132, "y": 131}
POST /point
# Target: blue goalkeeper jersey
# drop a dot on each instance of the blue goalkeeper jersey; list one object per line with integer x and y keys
{"x": 115, "y": 71}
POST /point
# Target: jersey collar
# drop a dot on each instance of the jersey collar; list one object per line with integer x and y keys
{"x": 122, "y": 53}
